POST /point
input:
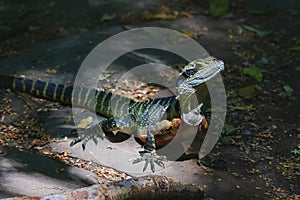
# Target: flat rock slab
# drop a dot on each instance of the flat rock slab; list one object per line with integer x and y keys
{"x": 26, "y": 173}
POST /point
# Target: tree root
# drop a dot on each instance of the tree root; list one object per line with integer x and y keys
{"x": 147, "y": 187}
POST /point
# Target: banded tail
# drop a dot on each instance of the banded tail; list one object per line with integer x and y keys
{"x": 51, "y": 91}
{"x": 92, "y": 99}
{"x": 104, "y": 103}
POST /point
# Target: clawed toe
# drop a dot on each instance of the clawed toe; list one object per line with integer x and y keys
{"x": 75, "y": 141}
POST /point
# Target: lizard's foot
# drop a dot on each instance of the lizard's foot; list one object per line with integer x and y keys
{"x": 151, "y": 157}
{"x": 85, "y": 134}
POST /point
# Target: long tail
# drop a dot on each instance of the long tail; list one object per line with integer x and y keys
{"x": 51, "y": 91}
{"x": 104, "y": 103}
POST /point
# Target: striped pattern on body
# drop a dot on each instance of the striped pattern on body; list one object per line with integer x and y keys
{"x": 104, "y": 103}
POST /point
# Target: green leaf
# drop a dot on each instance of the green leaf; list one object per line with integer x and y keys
{"x": 256, "y": 11}
{"x": 259, "y": 32}
{"x": 107, "y": 17}
{"x": 247, "y": 92}
{"x": 229, "y": 128}
{"x": 295, "y": 48}
{"x": 254, "y": 72}
{"x": 242, "y": 107}
{"x": 288, "y": 89}
{"x": 218, "y": 8}
{"x": 158, "y": 16}
{"x": 296, "y": 151}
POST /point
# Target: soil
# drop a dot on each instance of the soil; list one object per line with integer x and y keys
{"x": 261, "y": 138}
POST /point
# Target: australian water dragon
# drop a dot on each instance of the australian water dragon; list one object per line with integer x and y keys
{"x": 123, "y": 114}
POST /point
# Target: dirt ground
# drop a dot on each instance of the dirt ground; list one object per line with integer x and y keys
{"x": 260, "y": 44}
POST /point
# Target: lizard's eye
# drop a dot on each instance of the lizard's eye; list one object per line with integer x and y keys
{"x": 189, "y": 72}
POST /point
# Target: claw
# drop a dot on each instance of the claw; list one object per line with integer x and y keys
{"x": 75, "y": 141}
{"x": 152, "y": 167}
{"x": 151, "y": 157}
{"x": 95, "y": 141}
{"x": 137, "y": 160}
{"x": 84, "y": 143}
{"x": 146, "y": 165}
{"x": 160, "y": 163}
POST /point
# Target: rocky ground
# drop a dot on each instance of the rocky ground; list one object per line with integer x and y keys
{"x": 256, "y": 157}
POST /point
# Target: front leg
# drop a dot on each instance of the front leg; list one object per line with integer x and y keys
{"x": 149, "y": 154}
{"x": 102, "y": 129}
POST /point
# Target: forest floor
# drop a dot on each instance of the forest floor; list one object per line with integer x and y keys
{"x": 260, "y": 143}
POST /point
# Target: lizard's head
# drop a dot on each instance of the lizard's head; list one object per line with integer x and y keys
{"x": 196, "y": 73}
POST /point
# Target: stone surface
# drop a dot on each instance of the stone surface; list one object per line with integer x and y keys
{"x": 36, "y": 175}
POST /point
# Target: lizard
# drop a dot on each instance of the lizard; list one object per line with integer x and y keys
{"x": 142, "y": 118}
